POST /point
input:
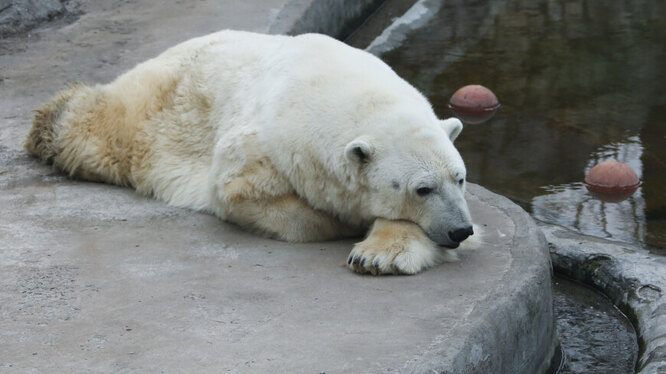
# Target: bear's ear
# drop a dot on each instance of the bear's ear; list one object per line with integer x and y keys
{"x": 359, "y": 150}
{"x": 452, "y": 126}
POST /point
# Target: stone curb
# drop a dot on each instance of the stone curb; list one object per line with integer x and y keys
{"x": 628, "y": 275}
{"x": 416, "y": 17}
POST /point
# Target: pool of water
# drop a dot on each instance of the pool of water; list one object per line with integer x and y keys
{"x": 581, "y": 81}
{"x": 594, "y": 335}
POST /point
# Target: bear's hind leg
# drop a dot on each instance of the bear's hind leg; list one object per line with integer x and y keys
{"x": 396, "y": 247}
{"x": 85, "y": 132}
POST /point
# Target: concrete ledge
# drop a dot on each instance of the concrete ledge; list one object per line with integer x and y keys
{"x": 97, "y": 279}
{"x": 634, "y": 280}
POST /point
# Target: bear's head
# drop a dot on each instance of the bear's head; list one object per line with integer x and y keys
{"x": 415, "y": 173}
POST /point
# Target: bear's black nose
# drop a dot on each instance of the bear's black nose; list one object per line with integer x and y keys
{"x": 461, "y": 234}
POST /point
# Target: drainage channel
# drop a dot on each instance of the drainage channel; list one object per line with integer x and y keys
{"x": 595, "y": 336}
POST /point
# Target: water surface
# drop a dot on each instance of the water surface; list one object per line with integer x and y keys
{"x": 595, "y": 336}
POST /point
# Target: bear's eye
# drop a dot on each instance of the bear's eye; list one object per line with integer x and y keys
{"x": 423, "y": 191}
{"x": 461, "y": 181}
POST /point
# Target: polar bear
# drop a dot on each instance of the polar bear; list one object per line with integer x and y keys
{"x": 295, "y": 138}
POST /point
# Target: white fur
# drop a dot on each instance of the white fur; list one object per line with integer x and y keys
{"x": 298, "y": 138}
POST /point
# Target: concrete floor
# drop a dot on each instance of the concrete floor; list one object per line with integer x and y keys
{"x": 94, "y": 278}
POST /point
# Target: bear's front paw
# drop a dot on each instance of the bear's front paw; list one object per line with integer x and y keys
{"x": 395, "y": 247}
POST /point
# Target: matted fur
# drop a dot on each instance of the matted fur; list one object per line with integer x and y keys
{"x": 296, "y": 138}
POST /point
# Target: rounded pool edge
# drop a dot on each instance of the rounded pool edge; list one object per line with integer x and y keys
{"x": 513, "y": 329}
{"x": 634, "y": 281}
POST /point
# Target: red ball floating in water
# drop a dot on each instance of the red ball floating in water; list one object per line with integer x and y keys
{"x": 612, "y": 181}
{"x": 474, "y": 104}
